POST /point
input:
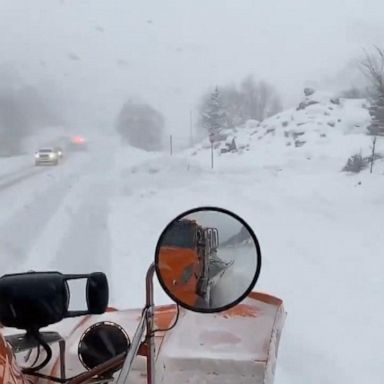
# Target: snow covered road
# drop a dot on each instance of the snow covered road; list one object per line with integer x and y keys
{"x": 320, "y": 237}
{"x": 36, "y": 211}
{"x": 16, "y": 177}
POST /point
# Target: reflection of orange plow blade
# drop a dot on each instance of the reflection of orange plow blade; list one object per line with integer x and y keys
{"x": 238, "y": 345}
{"x": 213, "y": 280}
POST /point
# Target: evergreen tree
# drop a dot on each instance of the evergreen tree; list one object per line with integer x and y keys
{"x": 213, "y": 117}
{"x": 377, "y": 113}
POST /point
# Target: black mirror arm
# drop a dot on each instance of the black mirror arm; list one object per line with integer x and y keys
{"x": 150, "y": 340}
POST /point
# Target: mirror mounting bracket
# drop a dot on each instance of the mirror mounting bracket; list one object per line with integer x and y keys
{"x": 138, "y": 346}
{"x": 150, "y": 339}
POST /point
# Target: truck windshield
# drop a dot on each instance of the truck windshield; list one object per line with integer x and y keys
{"x": 181, "y": 234}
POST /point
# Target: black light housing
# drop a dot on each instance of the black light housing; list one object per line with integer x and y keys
{"x": 34, "y": 300}
{"x": 102, "y": 341}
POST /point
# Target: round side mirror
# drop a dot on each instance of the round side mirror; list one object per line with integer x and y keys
{"x": 208, "y": 259}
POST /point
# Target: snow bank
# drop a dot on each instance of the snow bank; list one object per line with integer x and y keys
{"x": 319, "y": 135}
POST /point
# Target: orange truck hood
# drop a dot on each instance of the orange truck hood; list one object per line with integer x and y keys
{"x": 237, "y": 345}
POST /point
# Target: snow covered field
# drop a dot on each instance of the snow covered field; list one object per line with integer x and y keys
{"x": 320, "y": 232}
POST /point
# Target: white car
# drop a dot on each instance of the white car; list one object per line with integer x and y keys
{"x": 46, "y": 156}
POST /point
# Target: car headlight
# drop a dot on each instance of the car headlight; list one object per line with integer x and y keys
{"x": 52, "y": 156}
{"x": 37, "y": 155}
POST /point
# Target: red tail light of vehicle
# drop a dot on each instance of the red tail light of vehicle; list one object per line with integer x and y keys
{"x": 78, "y": 140}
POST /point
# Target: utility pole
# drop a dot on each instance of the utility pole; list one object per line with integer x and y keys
{"x": 212, "y": 139}
{"x": 170, "y": 145}
{"x": 190, "y": 129}
{"x": 373, "y": 152}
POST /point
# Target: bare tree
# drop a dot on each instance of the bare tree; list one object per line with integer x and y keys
{"x": 260, "y": 99}
{"x": 372, "y": 66}
{"x": 354, "y": 92}
{"x": 373, "y": 153}
{"x": 253, "y": 100}
{"x": 250, "y": 91}
{"x": 233, "y": 101}
{"x": 276, "y": 106}
{"x": 235, "y": 105}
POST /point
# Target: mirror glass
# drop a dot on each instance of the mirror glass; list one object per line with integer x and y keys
{"x": 208, "y": 259}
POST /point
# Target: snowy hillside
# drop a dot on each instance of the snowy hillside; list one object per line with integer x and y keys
{"x": 321, "y": 133}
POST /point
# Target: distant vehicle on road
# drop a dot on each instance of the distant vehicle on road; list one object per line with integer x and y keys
{"x": 77, "y": 143}
{"x": 46, "y": 156}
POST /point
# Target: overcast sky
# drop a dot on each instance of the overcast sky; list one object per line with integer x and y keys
{"x": 99, "y": 53}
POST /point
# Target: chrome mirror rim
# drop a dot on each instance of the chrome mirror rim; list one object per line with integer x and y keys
{"x": 258, "y": 255}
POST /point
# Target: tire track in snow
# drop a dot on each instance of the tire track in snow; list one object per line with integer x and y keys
{"x": 27, "y": 212}
{"x": 85, "y": 246}
{"x": 18, "y": 233}
{"x": 13, "y": 178}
